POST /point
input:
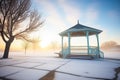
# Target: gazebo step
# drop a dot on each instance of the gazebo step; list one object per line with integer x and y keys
{"x": 80, "y": 56}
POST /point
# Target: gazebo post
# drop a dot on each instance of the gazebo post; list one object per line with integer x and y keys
{"x": 88, "y": 46}
{"x": 98, "y": 46}
{"x": 69, "y": 51}
{"x": 62, "y": 44}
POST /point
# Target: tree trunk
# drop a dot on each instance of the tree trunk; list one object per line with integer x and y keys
{"x": 7, "y": 48}
{"x": 25, "y": 50}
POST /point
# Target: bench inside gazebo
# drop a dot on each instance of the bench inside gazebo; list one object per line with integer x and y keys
{"x": 86, "y": 52}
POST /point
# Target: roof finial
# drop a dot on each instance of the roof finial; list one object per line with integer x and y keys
{"x": 78, "y": 21}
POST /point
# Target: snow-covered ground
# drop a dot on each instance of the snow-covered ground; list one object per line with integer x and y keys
{"x": 30, "y": 53}
{"x": 113, "y": 55}
{"x": 34, "y": 66}
{"x": 91, "y": 68}
{"x": 107, "y": 54}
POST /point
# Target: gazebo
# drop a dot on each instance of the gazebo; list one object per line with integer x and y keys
{"x": 80, "y": 30}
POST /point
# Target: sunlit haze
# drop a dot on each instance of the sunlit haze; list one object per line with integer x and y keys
{"x": 60, "y": 15}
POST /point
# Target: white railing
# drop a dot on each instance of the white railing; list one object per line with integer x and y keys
{"x": 101, "y": 54}
{"x": 93, "y": 51}
{"x": 79, "y": 49}
{"x": 96, "y": 53}
{"x": 65, "y": 52}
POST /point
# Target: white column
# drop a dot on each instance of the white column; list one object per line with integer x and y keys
{"x": 69, "y": 49}
{"x": 98, "y": 43}
{"x": 88, "y": 46}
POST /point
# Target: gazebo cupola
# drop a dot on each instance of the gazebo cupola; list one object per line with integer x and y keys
{"x": 80, "y": 30}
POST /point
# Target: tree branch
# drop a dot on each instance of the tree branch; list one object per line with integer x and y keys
{"x": 15, "y": 12}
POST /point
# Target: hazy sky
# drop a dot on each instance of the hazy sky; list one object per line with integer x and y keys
{"x": 60, "y": 15}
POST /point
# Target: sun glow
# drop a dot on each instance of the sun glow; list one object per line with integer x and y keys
{"x": 46, "y": 39}
{"x": 43, "y": 44}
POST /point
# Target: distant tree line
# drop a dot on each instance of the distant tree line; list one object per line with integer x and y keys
{"x": 109, "y": 45}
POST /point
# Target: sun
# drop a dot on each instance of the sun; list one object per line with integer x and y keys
{"x": 45, "y": 41}
{"x": 43, "y": 44}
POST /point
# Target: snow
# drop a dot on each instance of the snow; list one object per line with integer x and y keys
{"x": 107, "y": 54}
{"x": 62, "y": 76}
{"x": 21, "y": 67}
{"x": 90, "y": 68}
{"x": 28, "y": 64}
{"x": 7, "y": 70}
{"x": 49, "y": 66}
{"x": 10, "y": 62}
{"x": 113, "y": 55}
{"x": 28, "y": 74}
{"x": 118, "y": 77}
{"x": 47, "y": 59}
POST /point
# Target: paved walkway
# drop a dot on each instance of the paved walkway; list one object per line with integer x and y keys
{"x": 49, "y": 68}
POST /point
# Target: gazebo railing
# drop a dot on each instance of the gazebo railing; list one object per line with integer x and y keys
{"x": 101, "y": 54}
{"x": 96, "y": 53}
{"x": 83, "y": 50}
{"x": 65, "y": 52}
{"x": 78, "y": 49}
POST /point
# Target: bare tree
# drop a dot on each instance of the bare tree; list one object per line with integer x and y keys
{"x": 35, "y": 43}
{"x": 108, "y": 45}
{"x": 17, "y": 20}
{"x": 25, "y": 46}
{"x": 54, "y": 45}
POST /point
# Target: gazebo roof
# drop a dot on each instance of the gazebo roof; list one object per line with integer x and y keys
{"x": 80, "y": 30}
